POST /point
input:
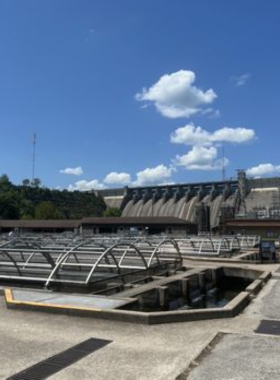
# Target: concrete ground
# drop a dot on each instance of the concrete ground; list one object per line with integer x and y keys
{"x": 146, "y": 352}
{"x": 241, "y": 357}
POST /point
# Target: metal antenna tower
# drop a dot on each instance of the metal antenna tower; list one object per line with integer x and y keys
{"x": 34, "y": 155}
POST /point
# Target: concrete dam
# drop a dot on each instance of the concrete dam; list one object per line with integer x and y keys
{"x": 200, "y": 202}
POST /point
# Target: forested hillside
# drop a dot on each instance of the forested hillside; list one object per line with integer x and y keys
{"x": 31, "y": 201}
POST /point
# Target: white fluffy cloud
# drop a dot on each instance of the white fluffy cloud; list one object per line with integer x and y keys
{"x": 84, "y": 185}
{"x": 72, "y": 171}
{"x": 263, "y": 169}
{"x": 233, "y": 135}
{"x": 192, "y": 135}
{"x": 204, "y": 152}
{"x": 174, "y": 95}
{"x": 152, "y": 176}
{"x": 117, "y": 178}
{"x": 201, "y": 158}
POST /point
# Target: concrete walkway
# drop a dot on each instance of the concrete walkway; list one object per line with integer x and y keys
{"x": 250, "y": 355}
{"x": 241, "y": 357}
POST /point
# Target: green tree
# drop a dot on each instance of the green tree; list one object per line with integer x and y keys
{"x": 112, "y": 211}
{"x": 36, "y": 182}
{"x": 46, "y": 210}
{"x": 5, "y": 183}
{"x": 26, "y": 182}
{"x": 9, "y": 208}
{"x": 9, "y": 201}
{"x": 26, "y": 209}
{"x": 33, "y": 201}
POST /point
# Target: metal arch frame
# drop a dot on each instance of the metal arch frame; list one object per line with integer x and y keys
{"x": 252, "y": 241}
{"x": 5, "y": 246}
{"x": 190, "y": 242}
{"x": 26, "y": 261}
{"x": 241, "y": 240}
{"x": 63, "y": 252}
{"x": 203, "y": 240}
{"x": 89, "y": 256}
{"x": 98, "y": 261}
{"x": 222, "y": 240}
{"x": 12, "y": 260}
{"x": 23, "y": 245}
{"x": 60, "y": 261}
{"x": 105, "y": 240}
{"x": 44, "y": 254}
{"x": 65, "y": 257}
{"x": 130, "y": 245}
{"x": 96, "y": 244}
{"x": 245, "y": 241}
{"x": 235, "y": 238}
{"x": 155, "y": 251}
{"x": 73, "y": 248}
{"x": 142, "y": 241}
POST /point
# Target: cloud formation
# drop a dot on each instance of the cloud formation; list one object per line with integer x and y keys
{"x": 201, "y": 158}
{"x": 241, "y": 79}
{"x": 153, "y": 176}
{"x": 192, "y": 135}
{"x": 262, "y": 170}
{"x": 72, "y": 171}
{"x": 175, "y": 95}
{"x": 204, "y": 152}
{"x": 117, "y": 178}
{"x": 158, "y": 175}
{"x": 84, "y": 185}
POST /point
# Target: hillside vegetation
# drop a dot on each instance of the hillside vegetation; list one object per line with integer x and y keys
{"x": 31, "y": 201}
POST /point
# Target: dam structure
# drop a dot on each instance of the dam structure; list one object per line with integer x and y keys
{"x": 203, "y": 203}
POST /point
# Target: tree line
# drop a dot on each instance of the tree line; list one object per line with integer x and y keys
{"x": 32, "y": 201}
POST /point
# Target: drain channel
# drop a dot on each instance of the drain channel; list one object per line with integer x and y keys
{"x": 56, "y": 363}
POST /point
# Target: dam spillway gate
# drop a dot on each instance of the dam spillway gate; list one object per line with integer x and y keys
{"x": 189, "y": 202}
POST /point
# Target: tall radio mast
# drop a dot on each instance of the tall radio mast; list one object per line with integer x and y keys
{"x": 34, "y": 155}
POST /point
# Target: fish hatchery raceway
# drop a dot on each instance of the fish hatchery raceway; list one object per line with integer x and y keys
{"x": 244, "y": 345}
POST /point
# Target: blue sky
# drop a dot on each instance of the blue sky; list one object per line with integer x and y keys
{"x": 138, "y": 91}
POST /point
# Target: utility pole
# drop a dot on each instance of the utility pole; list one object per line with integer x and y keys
{"x": 33, "y": 156}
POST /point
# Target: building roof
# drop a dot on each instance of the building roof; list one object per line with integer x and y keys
{"x": 34, "y": 223}
{"x": 252, "y": 222}
{"x": 112, "y": 221}
{"x": 137, "y": 221}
